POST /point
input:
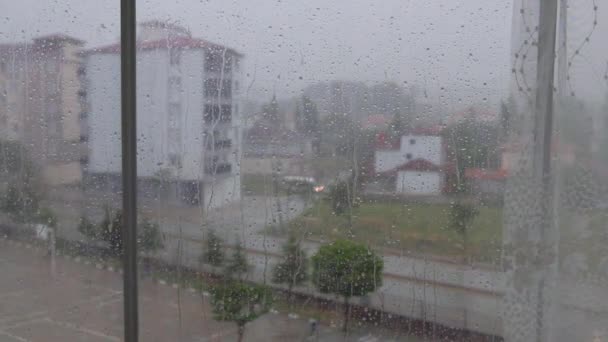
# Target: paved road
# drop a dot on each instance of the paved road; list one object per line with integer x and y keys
{"x": 446, "y": 293}
{"x": 82, "y": 301}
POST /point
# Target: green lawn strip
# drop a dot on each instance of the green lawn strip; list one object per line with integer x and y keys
{"x": 252, "y": 184}
{"x": 422, "y": 228}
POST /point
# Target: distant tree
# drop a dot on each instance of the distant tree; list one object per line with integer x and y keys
{"x": 88, "y": 228}
{"x": 111, "y": 230}
{"x": 348, "y": 269}
{"x": 397, "y": 127}
{"x": 471, "y": 144}
{"x": 47, "y": 217}
{"x": 213, "y": 254}
{"x": 150, "y": 238}
{"x": 237, "y": 264}
{"x": 239, "y": 303}
{"x": 339, "y": 196}
{"x": 21, "y": 203}
{"x": 462, "y": 216}
{"x": 22, "y": 197}
{"x": 310, "y": 117}
{"x": 307, "y": 122}
{"x": 270, "y": 112}
{"x": 293, "y": 268}
{"x": 389, "y": 98}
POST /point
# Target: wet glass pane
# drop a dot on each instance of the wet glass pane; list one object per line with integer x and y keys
{"x": 61, "y": 270}
{"x": 344, "y": 170}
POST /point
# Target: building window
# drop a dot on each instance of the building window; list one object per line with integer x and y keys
{"x": 408, "y": 156}
{"x": 175, "y": 84}
{"x": 213, "y": 89}
{"x": 216, "y": 59}
{"x": 174, "y": 116}
{"x": 175, "y": 160}
{"x": 174, "y": 56}
{"x": 211, "y": 113}
{"x": 212, "y": 62}
{"x": 226, "y": 115}
{"x": 412, "y": 141}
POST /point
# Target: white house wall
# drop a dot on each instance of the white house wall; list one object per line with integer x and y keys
{"x": 192, "y": 113}
{"x": 103, "y": 96}
{"x": 424, "y": 147}
{"x": 152, "y": 78}
{"x": 418, "y": 182}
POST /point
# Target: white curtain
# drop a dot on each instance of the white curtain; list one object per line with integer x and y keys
{"x": 555, "y": 244}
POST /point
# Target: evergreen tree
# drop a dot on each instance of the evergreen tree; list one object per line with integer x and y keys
{"x": 22, "y": 198}
{"x": 310, "y": 117}
{"x": 111, "y": 230}
{"x": 340, "y": 197}
{"x": 87, "y": 228}
{"x": 307, "y": 122}
{"x": 237, "y": 265}
{"x": 462, "y": 216}
{"x": 214, "y": 251}
{"x": 293, "y": 268}
{"x": 150, "y": 238}
{"x": 21, "y": 203}
{"x": 270, "y": 112}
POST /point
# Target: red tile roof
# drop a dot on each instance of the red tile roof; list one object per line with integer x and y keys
{"x": 176, "y": 42}
{"x": 419, "y": 164}
{"x": 58, "y": 37}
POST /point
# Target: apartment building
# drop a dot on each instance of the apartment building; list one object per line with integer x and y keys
{"x": 12, "y": 89}
{"x": 188, "y": 114}
{"x": 41, "y": 105}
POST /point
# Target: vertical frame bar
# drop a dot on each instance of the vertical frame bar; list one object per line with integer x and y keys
{"x": 543, "y": 131}
{"x": 129, "y": 166}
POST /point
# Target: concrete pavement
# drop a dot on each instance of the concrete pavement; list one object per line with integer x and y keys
{"x": 445, "y": 293}
{"x": 82, "y": 301}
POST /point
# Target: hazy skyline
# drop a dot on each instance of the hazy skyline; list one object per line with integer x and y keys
{"x": 457, "y": 50}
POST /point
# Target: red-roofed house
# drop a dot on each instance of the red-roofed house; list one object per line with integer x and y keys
{"x": 415, "y": 167}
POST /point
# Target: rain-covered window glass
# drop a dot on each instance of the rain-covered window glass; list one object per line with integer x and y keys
{"x": 347, "y": 170}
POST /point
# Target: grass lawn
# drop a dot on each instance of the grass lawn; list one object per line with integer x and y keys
{"x": 420, "y": 228}
{"x": 257, "y": 185}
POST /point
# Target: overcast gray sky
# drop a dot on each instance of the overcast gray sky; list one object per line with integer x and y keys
{"x": 462, "y": 46}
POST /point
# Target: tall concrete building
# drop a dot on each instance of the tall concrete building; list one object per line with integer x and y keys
{"x": 13, "y": 68}
{"x": 41, "y": 105}
{"x": 188, "y": 115}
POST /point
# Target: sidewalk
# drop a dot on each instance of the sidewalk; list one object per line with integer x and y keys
{"x": 446, "y": 293}
{"x": 82, "y": 301}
